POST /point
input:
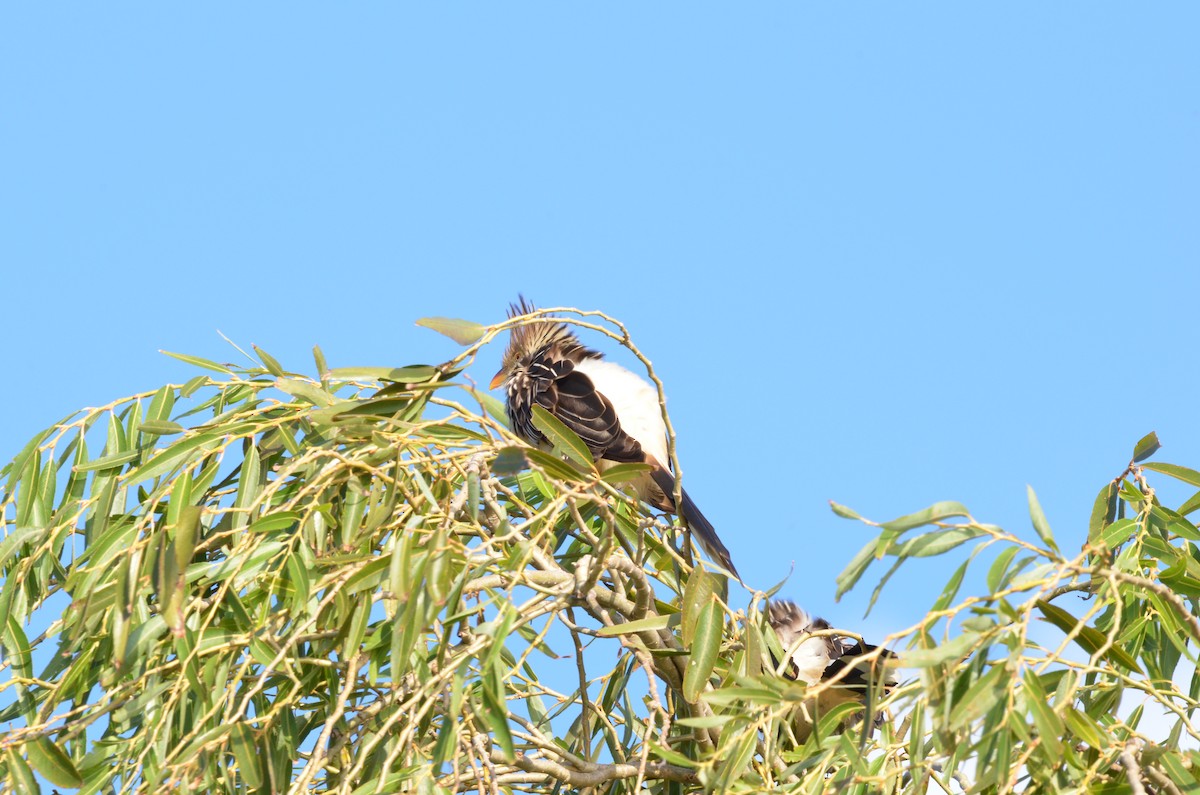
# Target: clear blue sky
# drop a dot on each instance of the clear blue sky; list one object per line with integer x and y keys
{"x": 883, "y": 254}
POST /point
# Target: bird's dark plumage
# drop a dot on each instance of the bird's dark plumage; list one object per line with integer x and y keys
{"x": 614, "y": 412}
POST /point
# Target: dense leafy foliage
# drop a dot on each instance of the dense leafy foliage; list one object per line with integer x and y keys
{"x": 360, "y": 582}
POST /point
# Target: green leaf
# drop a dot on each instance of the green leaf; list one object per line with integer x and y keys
{"x": 1039, "y": 520}
{"x": 672, "y": 757}
{"x": 999, "y": 568}
{"x": 114, "y": 461}
{"x": 273, "y": 366}
{"x": 704, "y": 650}
{"x": 1104, "y": 510}
{"x": 494, "y": 408}
{"x": 1179, "y": 473}
{"x": 190, "y": 447}
{"x": 553, "y": 465}
{"x": 1085, "y": 727}
{"x": 855, "y": 569}
{"x": 198, "y": 362}
{"x": 648, "y": 624}
{"x": 1147, "y": 446}
{"x": 414, "y": 374}
{"x": 1119, "y": 532}
{"x": 53, "y": 763}
{"x": 1089, "y": 638}
{"x": 937, "y": 512}
{"x": 1190, "y": 505}
{"x": 20, "y": 775}
{"x": 1049, "y": 724}
{"x": 186, "y": 530}
{"x": 161, "y": 427}
{"x": 950, "y": 650}
{"x": 319, "y": 361}
{"x": 561, "y": 437}
{"x": 700, "y": 591}
{"x": 623, "y": 473}
{"x": 1179, "y": 772}
{"x": 305, "y": 391}
{"x": 246, "y": 752}
{"x": 951, "y": 589}
{"x": 843, "y": 511}
{"x": 495, "y": 714}
{"x": 509, "y": 461}
{"x": 983, "y": 694}
{"x": 936, "y": 543}
{"x": 464, "y": 332}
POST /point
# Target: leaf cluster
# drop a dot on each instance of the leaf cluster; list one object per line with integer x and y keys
{"x": 361, "y": 582}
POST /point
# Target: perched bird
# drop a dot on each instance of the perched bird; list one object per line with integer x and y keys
{"x": 822, "y": 658}
{"x": 615, "y": 412}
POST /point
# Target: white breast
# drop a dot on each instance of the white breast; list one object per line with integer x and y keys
{"x": 811, "y": 658}
{"x": 636, "y": 402}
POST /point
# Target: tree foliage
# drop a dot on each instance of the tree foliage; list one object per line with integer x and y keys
{"x": 361, "y": 582}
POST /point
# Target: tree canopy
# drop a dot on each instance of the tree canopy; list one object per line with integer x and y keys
{"x": 362, "y": 582}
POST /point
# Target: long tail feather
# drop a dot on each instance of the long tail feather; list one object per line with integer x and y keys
{"x": 702, "y": 529}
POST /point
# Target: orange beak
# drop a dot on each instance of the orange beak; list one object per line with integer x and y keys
{"x": 498, "y": 379}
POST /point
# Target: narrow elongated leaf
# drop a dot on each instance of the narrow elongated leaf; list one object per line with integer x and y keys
{"x": 1049, "y": 724}
{"x": 1104, "y": 510}
{"x": 553, "y": 465}
{"x": 563, "y": 438}
{"x": 950, "y": 650}
{"x": 198, "y": 362}
{"x": 843, "y": 511}
{"x": 1118, "y": 532}
{"x": 703, "y": 657}
{"x": 699, "y": 592}
{"x": 855, "y": 568}
{"x": 1038, "y": 518}
{"x": 998, "y": 571}
{"x": 936, "y": 543}
{"x": 114, "y": 461}
{"x": 649, "y": 623}
{"x": 983, "y": 694}
{"x": 305, "y": 391}
{"x": 161, "y": 427}
{"x": 173, "y": 456}
{"x": 1180, "y": 774}
{"x": 20, "y": 774}
{"x": 1147, "y": 446}
{"x": 246, "y": 752}
{"x": 413, "y": 374}
{"x": 319, "y": 361}
{"x": 464, "y": 332}
{"x": 623, "y": 473}
{"x": 1185, "y": 474}
{"x": 1090, "y": 638}
{"x": 937, "y": 512}
{"x": 951, "y": 590}
{"x": 50, "y": 760}
{"x": 273, "y": 366}
{"x": 1190, "y": 505}
{"x": 495, "y": 714}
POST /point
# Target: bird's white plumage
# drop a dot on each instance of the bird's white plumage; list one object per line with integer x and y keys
{"x": 811, "y": 657}
{"x": 634, "y": 400}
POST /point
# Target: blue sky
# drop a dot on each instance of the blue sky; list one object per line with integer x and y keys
{"x": 885, "y": 255}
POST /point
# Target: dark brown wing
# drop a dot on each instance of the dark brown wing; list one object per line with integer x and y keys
{"x": 551, "y": 381}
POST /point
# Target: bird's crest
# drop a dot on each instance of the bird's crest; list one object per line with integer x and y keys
{"x": 533, "y": 337}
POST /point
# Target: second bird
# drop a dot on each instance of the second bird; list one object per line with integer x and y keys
{"x": 615, "y": 412}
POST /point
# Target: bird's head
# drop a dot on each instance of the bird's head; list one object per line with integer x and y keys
{"x": 525, "y": 341}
